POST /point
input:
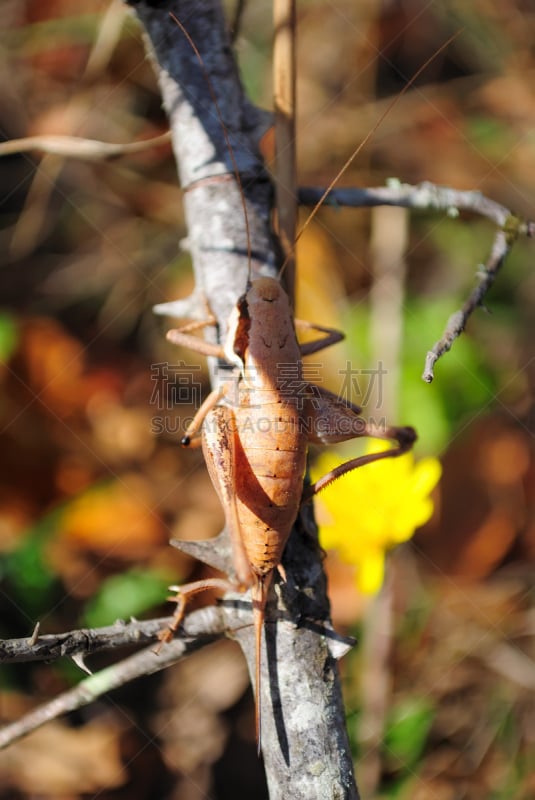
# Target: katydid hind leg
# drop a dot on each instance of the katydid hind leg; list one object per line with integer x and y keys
{"x": 180, "y": 598}
{"x": 330, "y": 419}
{"x": 219, "y": 446}
{"x": 219, "y": 449}
{"x": 405, "y": 444}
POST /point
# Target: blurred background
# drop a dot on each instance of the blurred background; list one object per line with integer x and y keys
{"x": 93, "y": 484}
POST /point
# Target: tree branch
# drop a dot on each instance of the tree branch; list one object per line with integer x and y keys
{"x": 305, "y": 746}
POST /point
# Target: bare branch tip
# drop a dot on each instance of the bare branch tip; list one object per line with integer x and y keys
{"x": 428, "y": 373}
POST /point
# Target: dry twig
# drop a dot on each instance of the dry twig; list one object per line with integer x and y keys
{"x": 429, "y": 197}
{"x": 200, "y": 628}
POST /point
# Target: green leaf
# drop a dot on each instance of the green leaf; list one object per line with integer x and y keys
{"x": 31, "y": 579}
{"x": 407, "y": 731}
{"x": 126, "y": 595}
{"x": 465, "y": 382}
{"x": 492, "y": 137}
{"x": 9, "y": 336}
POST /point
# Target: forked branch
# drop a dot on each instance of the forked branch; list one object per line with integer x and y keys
{"x": 430, "y": 197}
{"x": 200, "y": 628}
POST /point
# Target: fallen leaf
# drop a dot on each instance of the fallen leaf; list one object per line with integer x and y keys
{"x": 59, "y": 760}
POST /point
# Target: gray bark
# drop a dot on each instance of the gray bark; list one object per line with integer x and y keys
{"x": 304, "y": 741}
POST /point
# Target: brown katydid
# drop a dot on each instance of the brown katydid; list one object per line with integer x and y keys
{"x": 255, "y": 444}
{"x": 255, "y": 439}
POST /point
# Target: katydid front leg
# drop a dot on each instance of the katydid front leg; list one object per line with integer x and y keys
{"x": 183, "y": 338}
{"x": 332, "y": 336}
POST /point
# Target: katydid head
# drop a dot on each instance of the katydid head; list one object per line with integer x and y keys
{"x": 263, "y": 290}
{"x": 264, "y": 305}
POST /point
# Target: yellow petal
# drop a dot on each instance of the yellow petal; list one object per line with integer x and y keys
{"x": 426, "y": 475}
{"x": 371, "y": 572}
{"x": 374, "y": 508}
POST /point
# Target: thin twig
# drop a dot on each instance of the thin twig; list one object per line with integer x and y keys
{"x": 486, "y": 274}
{"x": 200, "y": 628}
{"x": 284, "y": 97}
{"x": 429, "y": 197}
{"x": 423, "y": 196}
{"x": 82, "y": 642}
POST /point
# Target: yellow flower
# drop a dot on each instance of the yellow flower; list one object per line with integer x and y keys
{"x": 368, "y": 511}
